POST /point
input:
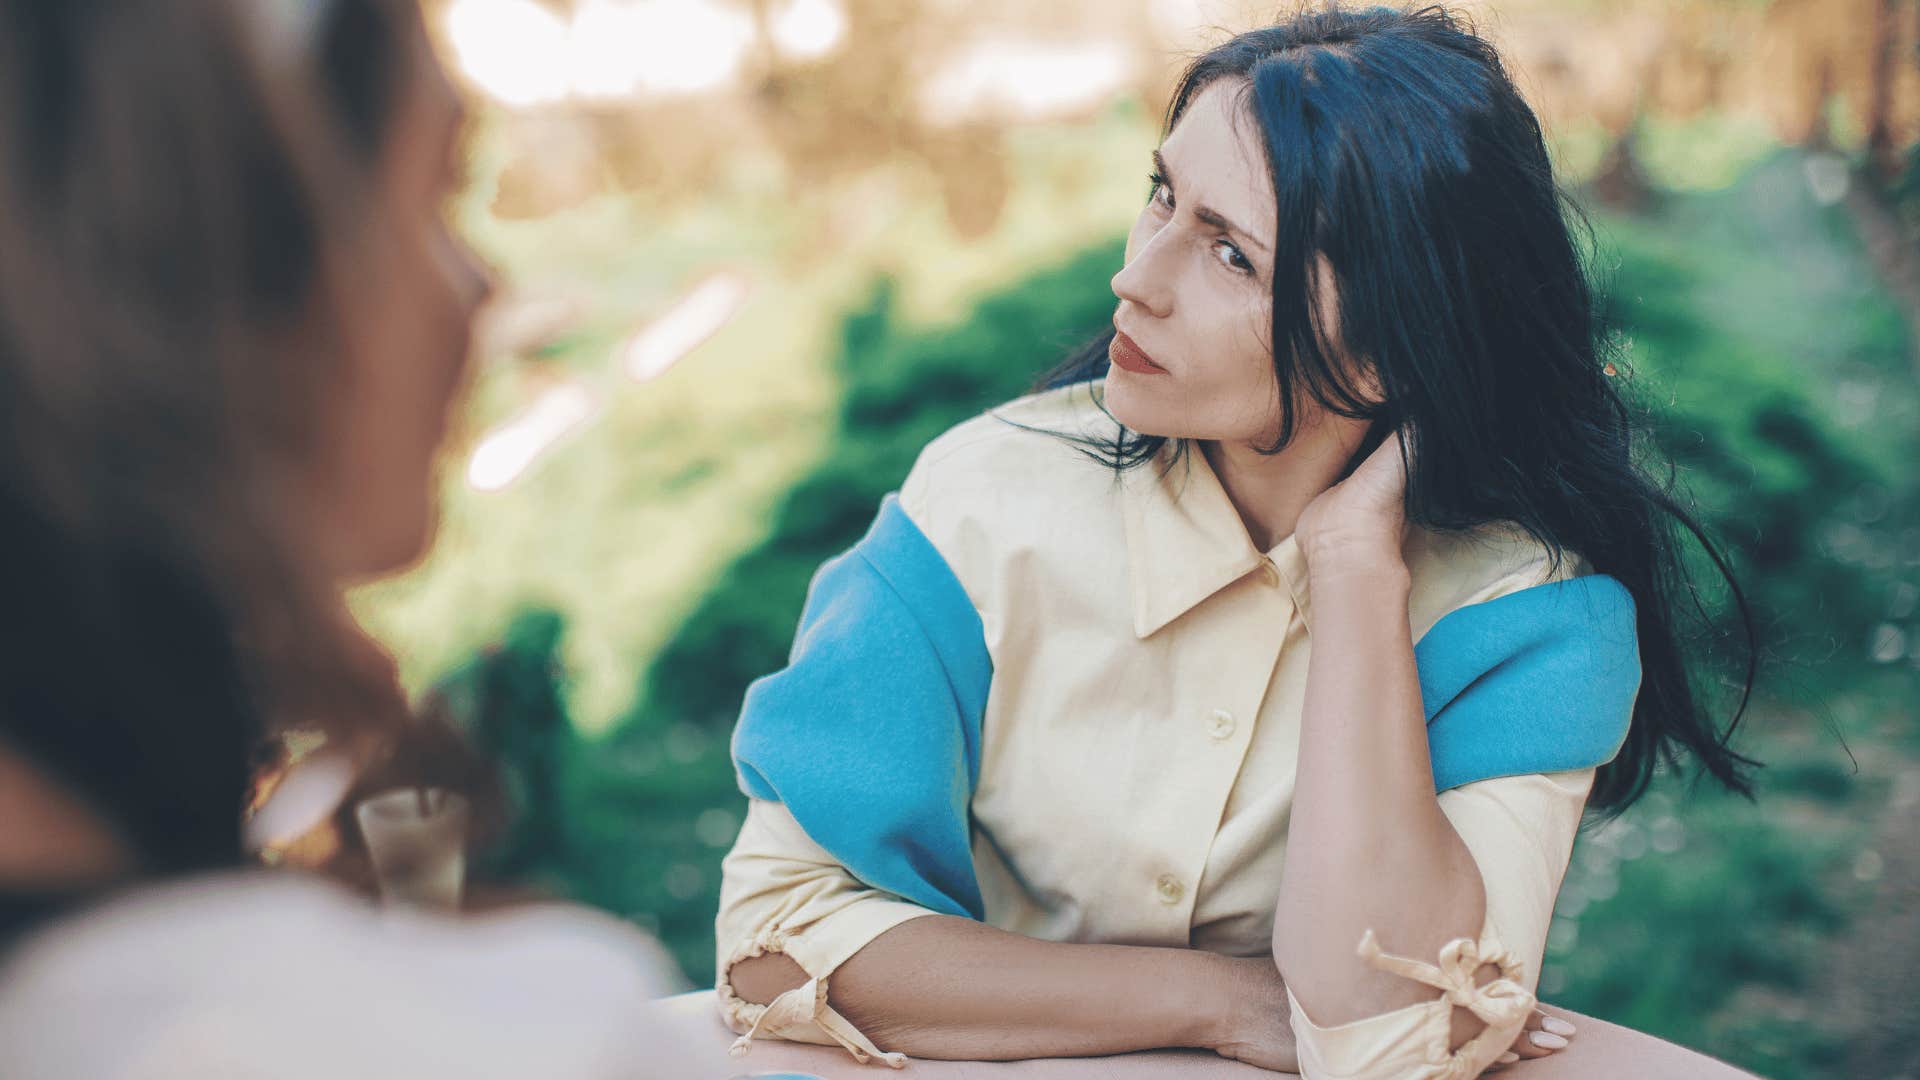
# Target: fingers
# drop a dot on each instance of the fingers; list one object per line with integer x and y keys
{"x": 1542, "y": 1036}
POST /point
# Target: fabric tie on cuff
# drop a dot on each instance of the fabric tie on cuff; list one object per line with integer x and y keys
{"x": 1502, "y": 1004}
{"x": 808, "y": 1004}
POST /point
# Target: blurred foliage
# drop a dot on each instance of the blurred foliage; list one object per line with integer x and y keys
{"x": 509, "y": 699}
{"x": 1777, "y": 370}
{"x": 1744, "y": 387}
{"x": 624, "y": 526}
{"x": 903, "y": 387}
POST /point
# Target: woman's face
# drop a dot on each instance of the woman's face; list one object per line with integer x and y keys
{"x": 406, "y": 346}
{"x": 1193, "y": 359}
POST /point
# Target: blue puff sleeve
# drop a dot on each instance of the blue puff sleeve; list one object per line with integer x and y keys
{"x": 1540, "y": 680}
{"x": 871, "y": 734}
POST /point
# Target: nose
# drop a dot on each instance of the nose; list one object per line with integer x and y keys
{"x": 1143, "y": 281}
{"x": 482, "y": 283}
{"x": 471, "y": 277}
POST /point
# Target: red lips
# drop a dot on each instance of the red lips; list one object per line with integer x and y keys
{"x": 1128, "y": 356}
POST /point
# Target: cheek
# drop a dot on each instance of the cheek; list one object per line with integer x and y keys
{"x": 443, "y": 295}
{"x": 399, "y": 383}
{"x": 1256, "y": 338}
{"x": 1243, "y": 401}
{"x": 407, "y": 378}
{"x": 1233, "y": 325}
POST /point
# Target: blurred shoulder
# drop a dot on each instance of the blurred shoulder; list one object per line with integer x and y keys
{"x": 229, "y": 971}
{"x": 199, "y": 925}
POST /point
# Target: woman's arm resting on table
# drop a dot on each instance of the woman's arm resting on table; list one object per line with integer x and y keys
{"x": 1520, "y": 831}
{"x": 1364, "y": 808}
{"x": 1481, "y": 862}
{"x": 907, "y": 980}
{"x": 952, "y": 988}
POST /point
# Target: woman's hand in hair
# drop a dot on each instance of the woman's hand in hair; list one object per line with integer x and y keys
{"x": 1359, "y": 522}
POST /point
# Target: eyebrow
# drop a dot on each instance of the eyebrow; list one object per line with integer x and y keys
{"x": 1207, "y": 213}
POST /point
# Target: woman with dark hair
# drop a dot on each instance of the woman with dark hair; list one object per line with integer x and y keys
{"x": 233, "y": 321}
{"x": 1304, "y": 613}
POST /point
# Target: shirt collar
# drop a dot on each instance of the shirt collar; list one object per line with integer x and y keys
{"x": 1186, "y": 542}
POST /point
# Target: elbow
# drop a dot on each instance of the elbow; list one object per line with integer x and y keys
{"x": 759, "y": 979}
{"x": 1327, "y": 953}
{"x": 1474, "y": 992}
{"x": 1343, "y": 974}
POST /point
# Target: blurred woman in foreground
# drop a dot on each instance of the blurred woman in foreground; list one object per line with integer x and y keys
{"x": 232, "y": 324}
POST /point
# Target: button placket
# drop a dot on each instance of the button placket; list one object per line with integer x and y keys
{"x": 1252, "y": 622}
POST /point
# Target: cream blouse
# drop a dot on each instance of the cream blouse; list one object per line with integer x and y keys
{"x": 1140, "y": 742}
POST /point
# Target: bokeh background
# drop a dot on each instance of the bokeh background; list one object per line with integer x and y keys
{"x": 757, "y": 252}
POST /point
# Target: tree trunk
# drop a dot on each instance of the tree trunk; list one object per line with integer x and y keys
{"x": 1883, "y": 158}
{"x": 1620, "y": 182}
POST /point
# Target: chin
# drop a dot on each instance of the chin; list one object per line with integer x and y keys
{"x": 1137, "y": 405}
{"x": 408, "y": 550}
{"x": 397, "y": 549}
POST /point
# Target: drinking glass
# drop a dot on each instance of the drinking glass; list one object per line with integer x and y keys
{"x": 418, "y": 840}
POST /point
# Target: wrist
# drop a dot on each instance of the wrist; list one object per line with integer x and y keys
{"x": 1361, "y": 595}
{"x": 1207, "y": 1021}
{"x": 1243, "y": 997}
{"x": 1353, "y": 547}
{"x": 1350, "y": 565}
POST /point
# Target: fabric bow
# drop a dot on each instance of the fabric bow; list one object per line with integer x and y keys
{"x": 1503, "y": 1004}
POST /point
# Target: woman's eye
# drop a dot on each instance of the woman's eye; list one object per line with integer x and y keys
{"x": 1232, "y": 257}
{"x": 1160, "y": 192}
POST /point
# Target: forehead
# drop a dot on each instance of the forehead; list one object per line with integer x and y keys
{"x": 1216, "y": 156}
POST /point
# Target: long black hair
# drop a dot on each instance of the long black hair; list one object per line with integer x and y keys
{"x": 1400, "y": 150}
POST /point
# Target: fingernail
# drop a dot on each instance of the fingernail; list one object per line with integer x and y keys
{"x": 1546, "y": 1040}
{"x": 1508, "y": 1058}
{"x": 1556, "y": 1025}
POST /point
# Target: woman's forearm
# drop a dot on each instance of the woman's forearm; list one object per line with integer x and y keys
{"x": 1367, "y": 844}
{"x": 951, "y": 988}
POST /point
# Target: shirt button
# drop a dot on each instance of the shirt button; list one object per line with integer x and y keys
{"x": 1170, "y": 889}
{"x": 1220, "y": 724}
{"x": 1269, "y": 573}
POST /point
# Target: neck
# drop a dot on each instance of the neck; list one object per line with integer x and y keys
{"x": 1270, "y": 490}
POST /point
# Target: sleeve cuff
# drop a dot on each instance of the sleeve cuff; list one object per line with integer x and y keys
{"x": 803, "y": 1013}
{"x": 1413, "y": 1042}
